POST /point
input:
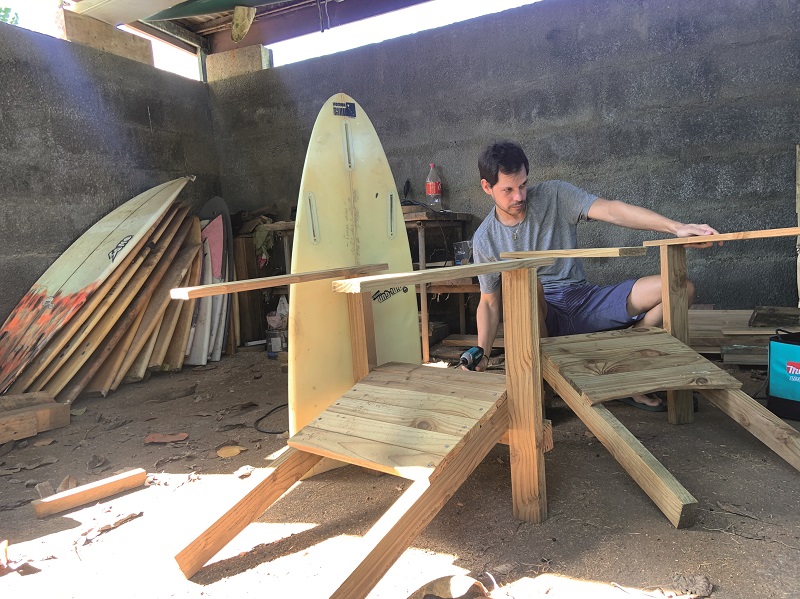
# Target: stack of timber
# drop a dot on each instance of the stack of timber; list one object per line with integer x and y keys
{"x": 101, "y": 315}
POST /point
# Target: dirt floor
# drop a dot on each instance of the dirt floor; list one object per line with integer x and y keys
{"x": 601, "y": 526}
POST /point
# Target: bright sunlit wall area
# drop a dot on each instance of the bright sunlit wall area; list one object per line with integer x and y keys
{"x": 39, "y": 15}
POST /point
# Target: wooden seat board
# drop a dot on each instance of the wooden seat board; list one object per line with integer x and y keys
{"x": 485, "y": 388}
{"x": 409, "y": 415}
{"x": 614, "y": 364}
{"x": 383, "y": 457}
{"x": 386, "y": 433}
{"x": 445, "y": 404}
{"x": 598, "y": 389}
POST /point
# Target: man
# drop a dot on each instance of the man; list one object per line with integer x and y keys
{"x": 545, "y": 217}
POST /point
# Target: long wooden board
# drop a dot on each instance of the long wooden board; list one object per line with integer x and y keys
{"x": 75, "y": 275}
{"x": 578, "y": 253}
{"x": 88, "y": 493}
{"x": 763, "y": 234}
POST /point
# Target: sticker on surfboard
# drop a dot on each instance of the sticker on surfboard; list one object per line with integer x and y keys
{"x": 347, "y": 109}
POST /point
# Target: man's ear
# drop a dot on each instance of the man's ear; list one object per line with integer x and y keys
{"x": 486, "y": 187}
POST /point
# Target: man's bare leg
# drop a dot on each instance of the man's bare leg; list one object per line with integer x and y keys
{"x": 645, "y": 297}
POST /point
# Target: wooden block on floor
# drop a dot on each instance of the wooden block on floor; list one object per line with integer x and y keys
{"x": 22, "y": 423}
{"x": 25, "y": 400}
{"x": 84, "y": 494}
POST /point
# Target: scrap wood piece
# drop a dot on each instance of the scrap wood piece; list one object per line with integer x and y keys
{"x": 26, "y": 422}
{"x": 87, "y": 493}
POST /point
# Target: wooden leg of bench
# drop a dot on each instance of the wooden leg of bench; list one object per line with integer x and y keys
{"x": 286, "y": 470}
{"x": 399, "y": 526}
{"x": 763, "y": 424}
{"x": 667, "y": 493}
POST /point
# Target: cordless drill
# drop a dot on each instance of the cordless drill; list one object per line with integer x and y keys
{"x": 471, "y": 358}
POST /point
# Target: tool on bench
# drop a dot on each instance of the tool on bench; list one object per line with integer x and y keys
{"x": 471, "y": 358}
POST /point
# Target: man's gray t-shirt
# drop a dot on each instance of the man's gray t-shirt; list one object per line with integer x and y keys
{"x": 553, "y": 212}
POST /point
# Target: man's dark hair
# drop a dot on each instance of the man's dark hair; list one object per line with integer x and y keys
{"x": 505, "y": 157}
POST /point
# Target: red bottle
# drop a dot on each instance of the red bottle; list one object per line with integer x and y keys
{"x": 433, "y": 189}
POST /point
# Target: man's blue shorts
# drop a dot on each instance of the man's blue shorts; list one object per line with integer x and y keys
{"x": 575, "y": 309}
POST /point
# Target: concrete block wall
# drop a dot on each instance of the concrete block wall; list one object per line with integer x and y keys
{"x": 689, "y": 108}
{"x": 81, "y": 132}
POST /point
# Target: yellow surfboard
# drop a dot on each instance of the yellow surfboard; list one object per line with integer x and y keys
{"x": 348, "y": 214}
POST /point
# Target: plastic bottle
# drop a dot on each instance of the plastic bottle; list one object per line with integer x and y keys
{"x": 433, "y": 189}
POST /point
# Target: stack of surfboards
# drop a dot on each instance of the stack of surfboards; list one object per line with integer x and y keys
{"x": 101, "y": 315}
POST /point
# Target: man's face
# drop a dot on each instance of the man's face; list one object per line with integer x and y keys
{"x": 509, "y": 192}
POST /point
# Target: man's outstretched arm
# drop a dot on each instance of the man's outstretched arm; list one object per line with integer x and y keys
{"x": 636, "y": 217}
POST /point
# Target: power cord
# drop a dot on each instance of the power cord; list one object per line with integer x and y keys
{"x": 272, "y": 411}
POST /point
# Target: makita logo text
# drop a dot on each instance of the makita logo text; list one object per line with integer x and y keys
{"x": 792, "y": 367}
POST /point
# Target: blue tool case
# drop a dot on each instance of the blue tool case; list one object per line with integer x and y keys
{"x": 783, "y": 388}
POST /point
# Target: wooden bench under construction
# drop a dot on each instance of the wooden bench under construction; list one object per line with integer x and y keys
{"x": 433, "y": 426}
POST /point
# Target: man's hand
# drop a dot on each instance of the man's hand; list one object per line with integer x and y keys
{"x": 692, "y": 230}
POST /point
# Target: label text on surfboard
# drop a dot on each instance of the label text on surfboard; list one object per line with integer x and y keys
{"x": 347, "y": 109}
{"x": 382, "y": 296}
{"x": 120, "y": 246}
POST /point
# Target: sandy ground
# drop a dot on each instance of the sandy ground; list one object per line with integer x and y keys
{"x": 601, "y": 526}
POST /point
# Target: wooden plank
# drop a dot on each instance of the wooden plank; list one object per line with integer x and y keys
{"x": 578, "y": 253}
{"x": 762, "y": 234}
{"x": 745, "y": 355}
{"x": 176, "y": 352}
{"x": 138, "y": 370}
{"x": 117, "y": 322}
{"x": 385, "y": 433}
{"x": 760, "y": 422}
{"x": 547, "y": 436}
{"x": 406, "y": 462}
{"x": 266, "y": 486}
{"x": 468, "y": 408}
{"x": 443, "y": 217}
{"x": 60, "y": 370}
{"x": 159, "y": 299}
{"x": 772, "y": 317}
{"x": 469, "y": 341}
{"x": 675, "y": 303}
{"x": 362, "y": 334}
{"x": 84, "y": 494}
{"x": 167, "y": 328}
{"x": 251, "y": 314}
{"x": 525, "y": 402}
{"x": 24, "y": 400}
{"x": 401, "y": 524}
{"x": 268, "y": 282}
{"x": 70, "y": 336}
{"x": 17, "y": 424}
{"x": 667, "y": 493}
{"x": 377, "y": 282}
{"x": 106, "y": 374}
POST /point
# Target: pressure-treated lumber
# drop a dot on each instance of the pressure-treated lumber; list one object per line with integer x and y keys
{"x": 84, "y": 494}
{"x": 578, "y": 253}
{"x": 525, "y": 403}
{"x": 362, "y": 334}
{"x": 269, "y": 485}
{"x": 763, "y": 424}
{"x": 762, "y": 234}
{"x": 547, "y": 436}
{"x": 377, "y": 282}
{"x": 613, "y": 364}
{"x": 675, "y": 304}
{"x": 268, "y": 282}
{"x": 667, "y": 493}
{"x": 469, "y": 341}
{"x": 401, "y": 524}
